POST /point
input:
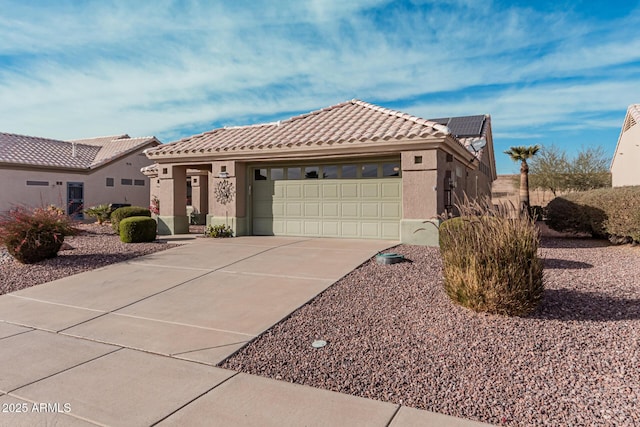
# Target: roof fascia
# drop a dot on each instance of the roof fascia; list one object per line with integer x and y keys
{"x": 382, "y": 147}
{"x": 43, "y": 168}
{"x": 615, "y": 153}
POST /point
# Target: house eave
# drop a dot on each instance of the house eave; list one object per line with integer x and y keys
{"x": 335, "y": 150}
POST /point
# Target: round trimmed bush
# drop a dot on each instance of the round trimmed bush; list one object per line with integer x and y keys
{"x": 137, "y": 229}
{"x": 127, "y": 212}
{"x": 490, "y": 263}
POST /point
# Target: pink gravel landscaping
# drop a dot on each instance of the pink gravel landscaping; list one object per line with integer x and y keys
{"x": 95, "y": 246}
{"x": 393, "y": 335}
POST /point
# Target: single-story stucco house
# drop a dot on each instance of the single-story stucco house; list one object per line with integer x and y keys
{"x": 352, "y": 170}
{"x": 624, "y": 165}
{"x": 73, "y": 175}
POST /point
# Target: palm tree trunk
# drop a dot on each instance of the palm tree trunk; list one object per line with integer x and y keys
{"x": 524, "y": 187}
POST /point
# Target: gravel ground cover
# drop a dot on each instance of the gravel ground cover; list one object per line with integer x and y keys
{"x": 96, "y": 246}
{"x": 393, "y": 335}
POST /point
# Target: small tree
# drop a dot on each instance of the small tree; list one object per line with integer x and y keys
{"x": 549, "y": 170}
{"x": 553, "y": 170}
{"x": 590, "y": 170}
{"x": 522, "y": 154}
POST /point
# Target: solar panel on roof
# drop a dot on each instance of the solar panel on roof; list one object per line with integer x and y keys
{"x": 466, "y": 126}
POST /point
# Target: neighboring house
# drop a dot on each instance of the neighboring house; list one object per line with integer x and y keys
{"x": 624, "y": 166}
{"x": 73, "y": 174}
{"x": 352, "y": 170}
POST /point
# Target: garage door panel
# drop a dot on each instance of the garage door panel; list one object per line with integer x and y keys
{"x": 330, "y": 210}
{"x": 294, "y": 227}
{"x": 312, "y": 228}
{"x": 330, "y": 228}
{"x": 369, "y": 229}
{"x": 278, "y": 209}
{"x": 294, "y": 191}
{"x": 293, "y": 209}
{"x": 312, "y": 191}
{"x": 349, "y": 229}
{"x": 278, "y": 190}
{"x": 278, "y": 227}
{"x": 350, "y": 208}
{"x": 348, "y": 191}
{"x": 391, "y": 190}
{"x": 330, "y": 190}
{"x": 369, "y": 190}
{"x": 369, "y": 210}
{"x": 390, "y": 210}
{"x": 312, "y": 210}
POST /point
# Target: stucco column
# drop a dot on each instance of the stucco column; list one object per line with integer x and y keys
{"x": 173, "y": 200}
{"x": 421, "y": 198}
{"x": 200, "y": 197}
{"x": 233, "y": 213}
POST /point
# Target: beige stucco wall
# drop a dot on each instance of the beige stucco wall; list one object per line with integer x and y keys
{"x": 624, "y": 169}
{"x": 423, "y": 192}
{"x": 15, "y": 191}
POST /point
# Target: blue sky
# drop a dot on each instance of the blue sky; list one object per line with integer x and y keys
{"x": 548, "y": 72}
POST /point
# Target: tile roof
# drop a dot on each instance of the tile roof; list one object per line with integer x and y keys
{"x": 634, "y": 111}
{"x": 99, "y": 140}
{"x": 345, "y": 123}
{"x": 76, "y": 154}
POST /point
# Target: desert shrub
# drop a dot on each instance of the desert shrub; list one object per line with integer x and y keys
{"x": 612, "y": 213}
{"x": 565, "y": 215}
{"x": 219, "y": 230}
{"x": 136, "y": 229}
{"x": 126, "y": 212}
{"x": 490, "y": 260}
{"x": 34, "y": 235}
{"x": 101, "y": 212}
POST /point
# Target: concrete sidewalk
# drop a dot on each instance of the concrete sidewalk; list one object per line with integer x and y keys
{"x": 136, "y": 343}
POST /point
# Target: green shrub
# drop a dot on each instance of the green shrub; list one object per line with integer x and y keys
{"x": 137, "y": 229}
{"x": 612, "y": 213}
{"x": 219, "y": 230}
{"x": 101, "y": 213}
{"x": 34, "y": 235}
{"x": 126, "y": 212}
{"x": 490, "y": 260}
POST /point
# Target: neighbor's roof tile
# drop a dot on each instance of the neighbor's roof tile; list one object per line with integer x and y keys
{"x": 634, "y": 111}
{"x": 76, "y": 154}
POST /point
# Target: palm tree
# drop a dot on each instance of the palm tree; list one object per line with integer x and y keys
{"x": 522, "y": 154}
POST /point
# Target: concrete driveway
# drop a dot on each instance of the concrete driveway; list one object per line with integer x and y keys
{"x": 135, "y": 343}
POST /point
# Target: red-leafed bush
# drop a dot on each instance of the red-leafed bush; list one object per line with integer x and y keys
{"x": 32, "y": 235}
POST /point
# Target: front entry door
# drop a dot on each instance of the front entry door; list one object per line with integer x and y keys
{"x": 75, "y": 199}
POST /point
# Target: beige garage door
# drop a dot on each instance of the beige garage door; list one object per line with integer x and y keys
{"x": 352, "y": 201}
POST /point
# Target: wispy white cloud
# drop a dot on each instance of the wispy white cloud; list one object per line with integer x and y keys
{"x": 85, "y": 68}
